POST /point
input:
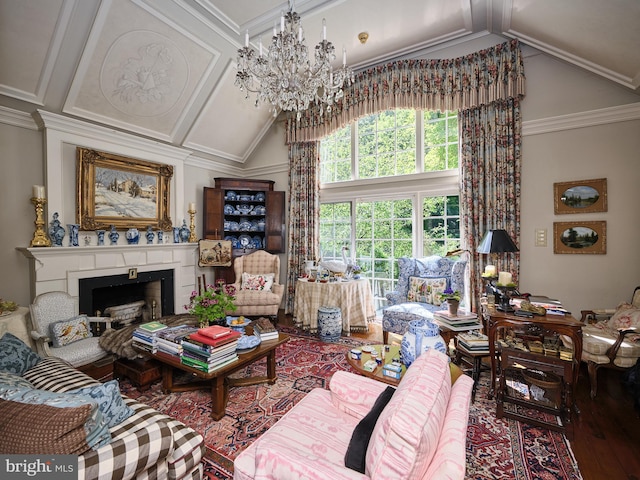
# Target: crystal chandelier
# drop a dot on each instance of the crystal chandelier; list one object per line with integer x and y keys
{"x": 283, "y": 75}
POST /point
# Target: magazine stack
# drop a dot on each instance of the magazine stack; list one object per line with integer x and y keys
{"x": 169, "y": 340}
{"x": 210, "y": 348}
{"x": 144, "y": 337}
{"x": 264, "y": 329}
{"x": 461, "y": 322}
{"x": 473, "y": 342}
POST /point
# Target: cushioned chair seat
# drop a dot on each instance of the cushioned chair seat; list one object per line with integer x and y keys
{"x": 80, "y": 353}
{"x": 396, "y": 318}
{"x": 596, "y": 342}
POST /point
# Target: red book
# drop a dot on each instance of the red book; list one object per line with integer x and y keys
{"x": 215, "y": 342}
{"x": 215, "y": 331}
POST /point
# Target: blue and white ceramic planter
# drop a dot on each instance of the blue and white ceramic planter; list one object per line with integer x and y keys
{"x": 329, "y": 323}
{"x": 422, "y": 335}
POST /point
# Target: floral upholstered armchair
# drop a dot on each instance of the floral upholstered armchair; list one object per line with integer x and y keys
{"x": 258, "y": 288}
{"x": 611, "y": 338}
{"x": 417, "y": 293}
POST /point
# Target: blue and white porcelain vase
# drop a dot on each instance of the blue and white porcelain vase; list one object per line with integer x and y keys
{"x": 56, "y": 231}
{"x": 184, "y": 232}
{"x": 422, "y": 335}
{"x": 150, "y": 235}
{"x": 160, "y": 236}
{"x": 132, "y": 236}
{"x": 114, "y": 235}
{"x": 100, "y": 234}
{"x": 74, "y": 228}
{"x": 176, "y": 234}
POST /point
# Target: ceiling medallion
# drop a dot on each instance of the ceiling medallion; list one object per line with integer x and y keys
{"x": 284, "y": 77}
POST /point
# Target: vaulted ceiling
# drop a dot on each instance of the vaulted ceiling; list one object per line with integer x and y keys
{"x": 165, "y": 69}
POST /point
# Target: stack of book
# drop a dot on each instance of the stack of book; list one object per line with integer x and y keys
{"x": 461, "y": 322}
{"x": 264, "y": 329}
{"x": 144, "y": 337}
{"x": 474, "y": 342}
{"x": 210, "y": 348}
{"x": 169, "y": 340}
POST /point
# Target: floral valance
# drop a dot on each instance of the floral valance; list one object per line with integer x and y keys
{"x": 496, "y": 73}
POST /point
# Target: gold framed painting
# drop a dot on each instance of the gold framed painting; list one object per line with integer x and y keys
{"x": 580, "y": 237}
{"x": 581, "y": 196}
{"x": 121, "y": 191}
{"x": 214, "y": 253}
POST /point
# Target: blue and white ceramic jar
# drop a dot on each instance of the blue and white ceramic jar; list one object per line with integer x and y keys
{"x": 160, "y": 236}
{"x": 132, "y": 236}
{"x": 176, "y": 234}
{"x": 422, "y": 335}
{"x": 150, "y": 235}
{"x": 184, "y": 232}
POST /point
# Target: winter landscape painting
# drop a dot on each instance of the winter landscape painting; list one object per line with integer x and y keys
{"x": 120, "y": 191}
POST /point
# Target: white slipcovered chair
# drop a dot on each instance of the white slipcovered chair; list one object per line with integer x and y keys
{"x": 59, "y": 331}
{"x": 255, "y": 294}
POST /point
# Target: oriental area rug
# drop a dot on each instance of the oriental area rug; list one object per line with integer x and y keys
{"x": 496, "y": 449}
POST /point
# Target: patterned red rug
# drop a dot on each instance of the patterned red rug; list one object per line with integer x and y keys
{"x": 496, "y": 449}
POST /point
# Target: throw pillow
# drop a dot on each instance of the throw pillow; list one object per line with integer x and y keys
{"x": 43, "y": 429}
{"x": 261, "y": 282}
{"x": 109, "y": 400}
{"x": 357, "y": 450}
{"x": 65, "y": 332}
{"x": 95, "y": 427}
{"x": 13, "y": 380}
{"x": 15, "y": 355}
{"x": 426, "y": 290}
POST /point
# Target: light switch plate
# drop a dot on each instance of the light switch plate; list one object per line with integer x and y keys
{"x": 541, "y": 237}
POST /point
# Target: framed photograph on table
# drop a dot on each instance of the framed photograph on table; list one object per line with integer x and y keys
{"x": 581, "y": 196}
{"x": 580, "y": 237}
{"x": 121, "y": 191}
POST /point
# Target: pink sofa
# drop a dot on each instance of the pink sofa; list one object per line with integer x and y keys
{"x": 420, "y": 434}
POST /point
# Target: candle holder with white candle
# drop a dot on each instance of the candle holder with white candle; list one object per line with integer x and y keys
{"x": 193, "y": 238}
{"x": 40, "y": 237}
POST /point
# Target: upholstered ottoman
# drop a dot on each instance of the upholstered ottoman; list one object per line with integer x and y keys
{"x": 396, "y": 318}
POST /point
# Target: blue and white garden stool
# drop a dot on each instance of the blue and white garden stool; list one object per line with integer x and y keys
{"x": 329, "y": 323}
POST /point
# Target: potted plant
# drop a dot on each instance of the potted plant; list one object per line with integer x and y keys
{"x": 212, "y": 305}
{"x": 453, "y": 300}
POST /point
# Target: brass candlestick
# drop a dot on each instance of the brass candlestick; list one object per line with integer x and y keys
{"x": 193, "y": 238}
{"x": 40, "y": 237}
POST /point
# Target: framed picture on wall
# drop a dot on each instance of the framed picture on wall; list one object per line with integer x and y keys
{"x": 580, "y": 237}
{"x": 121, "y": 191}
{"x": 581, "y": 196}
{"x": 214, "y": 253}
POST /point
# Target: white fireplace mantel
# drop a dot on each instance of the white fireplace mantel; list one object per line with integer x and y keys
{"x": 61, "y": 268}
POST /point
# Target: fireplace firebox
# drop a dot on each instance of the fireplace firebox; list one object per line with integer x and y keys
{"x": 99, "y": 293}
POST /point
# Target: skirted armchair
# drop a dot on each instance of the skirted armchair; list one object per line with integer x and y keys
{"x": 258, "y": 291}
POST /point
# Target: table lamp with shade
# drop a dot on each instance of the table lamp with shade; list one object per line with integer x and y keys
{"x": 493, "y": 243}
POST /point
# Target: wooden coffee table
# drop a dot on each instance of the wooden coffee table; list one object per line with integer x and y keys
{"x": 218, "y": 380}
{"x": 358, "y": 365}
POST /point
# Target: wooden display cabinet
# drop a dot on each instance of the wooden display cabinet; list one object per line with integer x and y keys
{"x": 220, "y": 222}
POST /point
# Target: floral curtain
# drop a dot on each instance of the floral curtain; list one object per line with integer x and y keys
{"x": 485, "y": 87}
{"x": 490, "y": 168}
{"x": 451, "y": 84}
{"x": 304, "y": 212}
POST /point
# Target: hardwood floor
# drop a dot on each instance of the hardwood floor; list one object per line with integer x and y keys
{"x": 606, "y": 441}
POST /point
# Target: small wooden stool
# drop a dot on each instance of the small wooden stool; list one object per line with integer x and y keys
{"x": 141, "y": 371}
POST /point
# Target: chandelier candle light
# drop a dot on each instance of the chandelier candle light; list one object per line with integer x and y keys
{"x": 283, "y": 75}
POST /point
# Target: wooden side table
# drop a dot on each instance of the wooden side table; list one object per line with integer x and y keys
{"x": 472, "y": 359}
{"x": 141, "y": 371}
